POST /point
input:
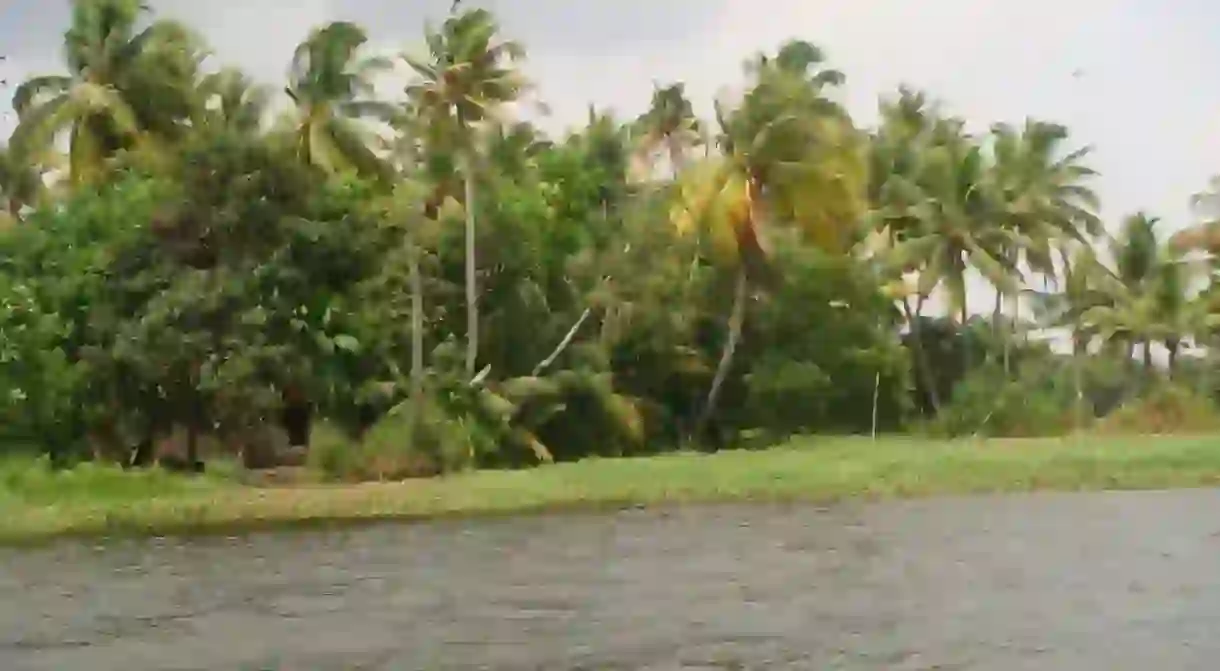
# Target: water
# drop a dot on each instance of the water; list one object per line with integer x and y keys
{"x": 1079, "y": 582}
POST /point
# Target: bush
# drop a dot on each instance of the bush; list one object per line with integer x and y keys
{"x": 386, "y": 451}
{"x": 986, "y": 402}
{"x": 1165, "y": 409}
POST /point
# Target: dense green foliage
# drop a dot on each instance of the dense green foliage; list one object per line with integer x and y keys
{"x": 434, "y": 287}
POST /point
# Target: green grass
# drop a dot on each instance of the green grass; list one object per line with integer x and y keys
{"x": 92, "y": 500}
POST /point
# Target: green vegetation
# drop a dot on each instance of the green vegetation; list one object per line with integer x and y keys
{"x": 814, "y": 470}
{"x": 378, "y": 287}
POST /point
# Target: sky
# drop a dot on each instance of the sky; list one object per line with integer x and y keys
{"x": 1129, "y": 77}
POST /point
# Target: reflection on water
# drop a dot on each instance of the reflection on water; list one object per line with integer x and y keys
{"x": 1080, "y": 582}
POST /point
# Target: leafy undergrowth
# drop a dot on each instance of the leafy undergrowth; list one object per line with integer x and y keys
{"x": 1165, "y": 410}
{"x": 101, "y": 501}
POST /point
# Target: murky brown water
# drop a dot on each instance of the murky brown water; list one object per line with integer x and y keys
{"x": 1073, "y": 582}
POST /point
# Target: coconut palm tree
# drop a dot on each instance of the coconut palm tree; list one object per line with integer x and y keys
{"x": 20, "y": 185}
{"x": 956, "y": 224}
{"x": 1045, "y": 197}
{"x": 788, "y": 155}
{"x": 1085, "y": 285}
{"x": 125, "y": 87}
{"x": 467, "y": 75}
{"x": 230, "y": 99}
{"x": 331, "y": 88}
{"x": 897, "y": 148}
{"x": 1150, "y": 302}
{"x": 1204, "y": 233}
{"x": 669, "y": 126}
{"x": 1136, "y": 253}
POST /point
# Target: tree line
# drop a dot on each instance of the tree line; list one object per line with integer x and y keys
{"x": 421, "y": 282}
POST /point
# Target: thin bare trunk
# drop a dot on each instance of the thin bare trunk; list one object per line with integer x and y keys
{"x": 736, "y": 320}
{"x": 472, "y": 290}
{"x": 876, "y": 397}
{"x": 563, "y": 344}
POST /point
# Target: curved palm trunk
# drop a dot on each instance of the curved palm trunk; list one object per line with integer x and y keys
{"x": 1174, "y": 346}
{"x": 472, "y": 290}
{"x": 736, "y": 319}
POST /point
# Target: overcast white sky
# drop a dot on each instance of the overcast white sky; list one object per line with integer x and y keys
{"x": 1128, "y": 76}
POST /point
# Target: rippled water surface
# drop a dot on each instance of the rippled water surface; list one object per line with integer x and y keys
{"x": 1073, "y": 582}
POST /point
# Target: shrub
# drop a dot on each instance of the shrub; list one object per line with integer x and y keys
{"x": 441, "y": 444}
{"x": 1165, "y": 409}
{"x": 986, "y": 402}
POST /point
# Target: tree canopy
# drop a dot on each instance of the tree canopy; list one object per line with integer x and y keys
{"x": 440, "y": 284}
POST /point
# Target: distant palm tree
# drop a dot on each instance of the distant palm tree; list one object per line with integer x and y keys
{"x": 1204, "y": 233}
{"x": 331, "y": 87}
{"x": 956, "y": 225}
{"x": 230, "y": 99}
{"x": 467, "y": 74}
{"x": 125, "y": 87}
{"x": 1044, "y": 193}
{"x": 669, "y": 125}
{"x": 1150, "y": 301}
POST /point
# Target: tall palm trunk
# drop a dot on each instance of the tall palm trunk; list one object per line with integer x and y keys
{"x": 1078, "y": 354}
{"x": 997, "y": 313}
{"x": 1173, "y": 345}
{"x": 964, "y": 339}
{"x": 417, "y": 334}
{"x": 923, "y": 367}
{"x": 998, "y": 332}
{"x": 472, "y": 290}
{"x": 736, "y": 320}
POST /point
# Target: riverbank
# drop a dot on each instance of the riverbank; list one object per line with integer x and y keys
{"x": 95, "y": 501}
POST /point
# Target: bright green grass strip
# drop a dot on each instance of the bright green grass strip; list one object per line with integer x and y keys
{"x": 92, "y": 500}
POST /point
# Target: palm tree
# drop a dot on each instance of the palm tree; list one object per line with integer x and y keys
{"x": 125, "y": 87}
{"x": 467, "y": 75}
{"x": 786, "y": 151}
{"x": 1086, "y": 285}
{"x": 910, "y": 125}
{"x": 1150, "y": 300}
{"x": 956, "y": 224}
{"x": 1044, "y": 195}
{"x": 1204, "y": 234}
{"x": 230, "y": 99}
{"x": 331, "y": 87}
{"x": 669, "y": 125}
{"x": 1136, "y": 254}
{"x": 20, "y": 185}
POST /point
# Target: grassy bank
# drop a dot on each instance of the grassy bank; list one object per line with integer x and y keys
{"x": 91, "y": 500}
